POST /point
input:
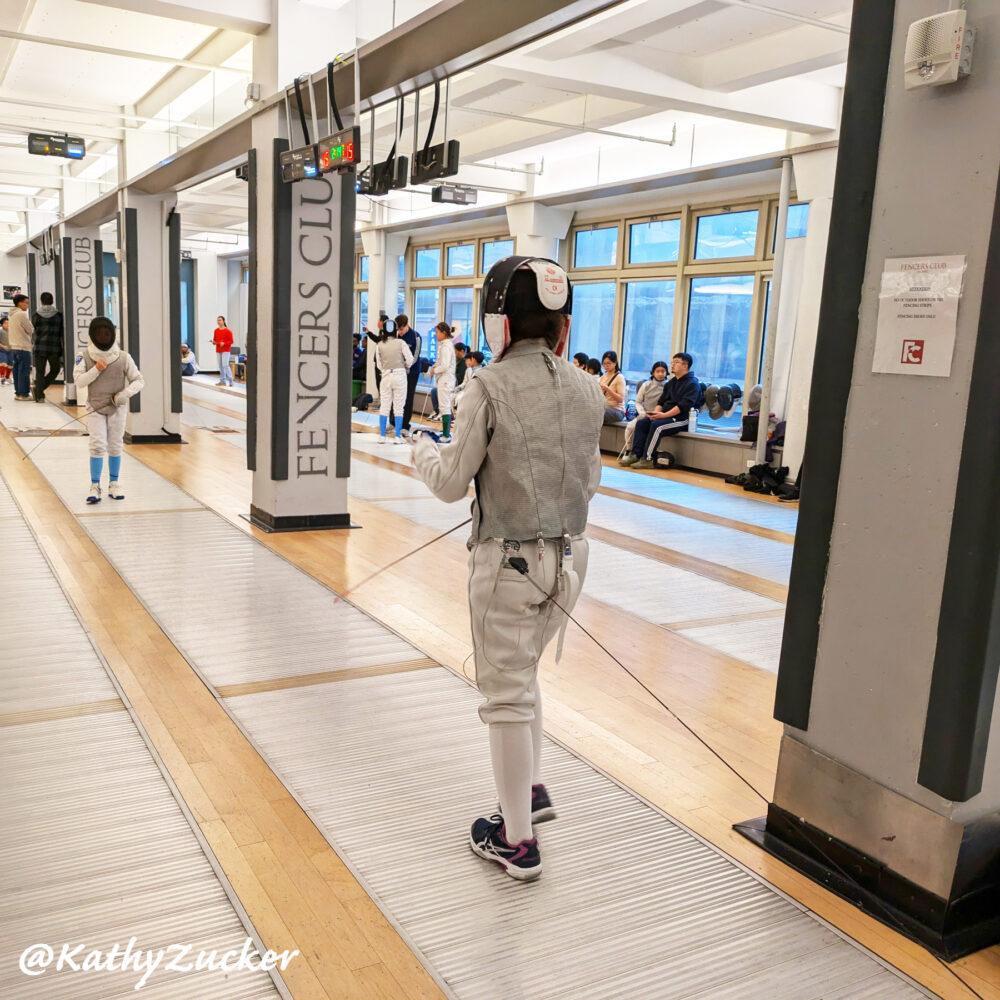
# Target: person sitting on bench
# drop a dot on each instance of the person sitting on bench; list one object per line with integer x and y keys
{"x": 670, "y": 416}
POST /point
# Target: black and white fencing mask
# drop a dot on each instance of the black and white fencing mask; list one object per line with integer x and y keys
{"x": 555, "y": 293}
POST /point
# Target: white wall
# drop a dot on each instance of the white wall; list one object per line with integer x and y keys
{"x": 814, "y": 183}
{"x": 207, "y": 302}
{"x": 13, "y": 271}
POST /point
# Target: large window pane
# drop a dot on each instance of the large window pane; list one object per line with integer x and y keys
{"x": 649, "y": 324}
{"x": 596, "y": 247}
{"x": 424, "y": 319}
{"x": 733, "y": 234}
{"x": 429, "y": 263}
{"x": 654, "y": 242}
{"x": 593, "y": 328}
{"x": 798, "y": 224}
{"x": 362, "y": 317}
{"x": 458, "y": 312}
{"x": 402, "y": 268}
{"x": 364, "y": 268}
{"x": 718, "y": 334}
{"x": 401, "y": 300}
{"x": 494, "y": 251}
{"x": 462, "y": 259}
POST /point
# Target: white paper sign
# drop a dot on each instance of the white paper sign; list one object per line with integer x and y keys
{"x": 918, "y": 315}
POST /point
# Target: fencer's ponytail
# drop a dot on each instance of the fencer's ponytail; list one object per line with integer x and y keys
{"x": 448, "y": 331}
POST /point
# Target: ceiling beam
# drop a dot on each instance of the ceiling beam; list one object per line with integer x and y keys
{"x": 798, "y": 106}
{"x": 107, "y": 50}
{"x": 773, "y": 57}
{"x": 214, "y": 51}
{"x": 250, "y": 16}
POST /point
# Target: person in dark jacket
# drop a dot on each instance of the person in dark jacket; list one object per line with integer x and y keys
{"x": 48, "y": 345}
{"x": 414, "y": 341}
{"x": 670, "y": 416}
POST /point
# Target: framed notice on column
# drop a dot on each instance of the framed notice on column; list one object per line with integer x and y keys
{"x": 918, "y": 315}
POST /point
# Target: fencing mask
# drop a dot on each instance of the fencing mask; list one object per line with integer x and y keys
{"x": 555, "y": 294}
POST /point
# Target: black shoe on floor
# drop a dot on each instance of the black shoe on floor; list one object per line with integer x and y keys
{"x": 521, "y": 861}
{"x": 541, "y": 805}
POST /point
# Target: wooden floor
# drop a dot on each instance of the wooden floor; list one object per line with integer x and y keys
{"x": 293, "y": 886}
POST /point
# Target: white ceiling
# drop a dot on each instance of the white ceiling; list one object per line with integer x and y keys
{"x": 640, "y": 68}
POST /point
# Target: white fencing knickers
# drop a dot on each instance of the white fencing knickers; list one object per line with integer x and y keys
{"x": 446, "y": 393}
{"x": 392, "y": 392}
{"x": 513, "y": 621}
{"x": 106, "y": 432}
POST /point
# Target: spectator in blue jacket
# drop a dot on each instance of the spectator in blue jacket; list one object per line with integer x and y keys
{"x": 670, "y": 416}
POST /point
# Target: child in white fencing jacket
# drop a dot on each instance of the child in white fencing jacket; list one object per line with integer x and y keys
{"x": 528, "y": 437}
{"x": 112, "y": 379}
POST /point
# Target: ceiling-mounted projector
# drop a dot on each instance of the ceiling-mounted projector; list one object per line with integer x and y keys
{"x": 938, "y": 50}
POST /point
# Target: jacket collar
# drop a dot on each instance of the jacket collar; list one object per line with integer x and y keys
{"x": 535, "y": 346}
{"x": 96, "y": 354}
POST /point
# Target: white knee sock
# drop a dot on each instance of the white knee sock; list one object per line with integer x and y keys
{"x": 536, "y": 739}
{"x": 511, "y": 753}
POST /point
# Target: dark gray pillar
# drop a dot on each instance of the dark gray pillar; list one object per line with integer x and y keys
{"x": 888, "y": 784}
{"x": 301, "y": 260}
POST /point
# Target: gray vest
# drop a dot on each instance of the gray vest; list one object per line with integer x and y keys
{"x": 111, "y": 381}
{"x": 545, "y": 426}
{"x": 390, "y": 354}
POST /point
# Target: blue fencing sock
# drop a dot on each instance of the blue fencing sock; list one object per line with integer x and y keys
{"x": 383, "y": 423}
{"x": 399, "y": 427}
{"x": 96, "y": 465}
{"x": 114, "y": 466}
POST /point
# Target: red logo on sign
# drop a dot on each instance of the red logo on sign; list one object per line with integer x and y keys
{"x": 913, "y": 352}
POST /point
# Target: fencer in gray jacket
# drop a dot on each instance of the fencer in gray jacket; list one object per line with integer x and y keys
{"x": 528, "y": 438}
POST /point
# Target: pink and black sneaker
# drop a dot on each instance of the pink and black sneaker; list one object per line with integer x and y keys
{"x": 541, "y": 805}
{"x": 521, "y": 861}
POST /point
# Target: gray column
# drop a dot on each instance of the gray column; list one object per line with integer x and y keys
{"x": 146, "y": 247}
{"x": 82, "y": 294}
{"x": 302, "y": 258}
{"x": 888, "y": 784}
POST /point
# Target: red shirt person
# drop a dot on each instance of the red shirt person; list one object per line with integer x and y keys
{"x": 223, "y": 340}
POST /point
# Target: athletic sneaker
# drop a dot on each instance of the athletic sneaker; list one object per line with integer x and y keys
{"x": 629, "y": 459}
{"x": 541, "y": 805}
{"x": 446, "y": 439}
{"x": 23, "y": 399}
{"x": 115, "y": 491}
{"x": 642, "y": 463}
{"x": 381, "y": 439}
{"x": 398, "y": 440}
{"x": 521, "y": 861}
{"x": 94, "y": 496}
{"x": 434, "y": 416}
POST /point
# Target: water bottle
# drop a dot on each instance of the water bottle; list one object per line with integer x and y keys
{"x": 693, "y": 420}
